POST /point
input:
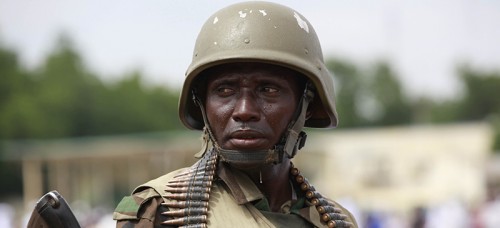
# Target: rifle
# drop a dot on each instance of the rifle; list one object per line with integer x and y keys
{"x": 52, "y": 211}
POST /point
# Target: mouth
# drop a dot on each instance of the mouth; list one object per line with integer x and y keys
{"x": 247, "y": 140}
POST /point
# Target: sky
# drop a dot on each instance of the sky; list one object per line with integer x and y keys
{"x": 424, "y": 40}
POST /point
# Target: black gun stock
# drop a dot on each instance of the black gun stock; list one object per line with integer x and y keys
{"x": 52, "y": 211}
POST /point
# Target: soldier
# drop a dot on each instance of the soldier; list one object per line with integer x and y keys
{"x": 257, "y": 78}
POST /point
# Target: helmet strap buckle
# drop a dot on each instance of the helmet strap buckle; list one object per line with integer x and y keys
{"x": 294, "y": 138}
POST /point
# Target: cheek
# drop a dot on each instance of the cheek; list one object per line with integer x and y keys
{"x": 218, "y": 114}
{"x": 279, "y": 116}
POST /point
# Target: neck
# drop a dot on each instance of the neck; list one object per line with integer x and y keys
{"x": 274, "y": 182}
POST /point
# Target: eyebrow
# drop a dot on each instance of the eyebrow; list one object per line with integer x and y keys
{"x": 223, "y": 79}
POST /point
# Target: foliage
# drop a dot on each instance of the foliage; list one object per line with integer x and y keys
{"x": 387, "y": 91}
{"x": 62, "y": 98}
{"x": 482, "y": 96}
{"x": 349, "y": 89}
{"x": 375, "y": 97}
{"x": 369, "y": 98}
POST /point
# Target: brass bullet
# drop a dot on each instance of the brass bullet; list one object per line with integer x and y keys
{"x": 319, "y": 201}
{"x": 328, "y": 209}
{"x": 305, "y": 186}
{"x": 332, "y": 216}
{"x": 195, "y": 172}
{"x": 189, "y": 196}
{"x": 190, "y": 183}
{"x": 192, "y": 178}
{"x": 295, "y": 171}
{"x": 299, "y": 179}
{"x": 186, "y": 189}
{"x": 186, "y": 220}
{"x": 185, "y": 204}
{"x": 313, "y": 194}
{"x": 185, "y": 212}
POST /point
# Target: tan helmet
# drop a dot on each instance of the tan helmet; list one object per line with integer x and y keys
{"x": 267, "y": 33}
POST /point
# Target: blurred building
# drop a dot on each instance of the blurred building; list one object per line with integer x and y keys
{"x": 99, "y": 170}
{"x": 399, "y": 169}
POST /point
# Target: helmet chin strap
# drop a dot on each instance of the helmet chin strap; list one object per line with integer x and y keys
{"x": 291, "y": 141}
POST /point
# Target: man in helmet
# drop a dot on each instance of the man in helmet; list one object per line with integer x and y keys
{"x": 256, "y": 79}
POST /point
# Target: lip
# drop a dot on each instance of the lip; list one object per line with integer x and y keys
{"x": 247, "y": 140}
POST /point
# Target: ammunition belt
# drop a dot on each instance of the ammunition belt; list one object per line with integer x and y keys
{"x": 330, "y": 215}
{"x": 189, "y": 193}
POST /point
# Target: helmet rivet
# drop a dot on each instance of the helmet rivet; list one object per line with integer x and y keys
{"x": 247, "y": 41}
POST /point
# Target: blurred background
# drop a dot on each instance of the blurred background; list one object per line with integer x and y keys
{"x": 89, "y": 90}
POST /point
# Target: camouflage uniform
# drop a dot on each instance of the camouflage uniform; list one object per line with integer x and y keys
{"x": 235, "y": 201}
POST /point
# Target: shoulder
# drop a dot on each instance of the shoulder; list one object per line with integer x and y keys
{"x": 144, "y": 200}
{"x": 133, "y": 207}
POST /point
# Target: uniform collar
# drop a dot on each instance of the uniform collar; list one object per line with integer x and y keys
{"x": 245, "y": 191}
{"x": 240, "y": 185}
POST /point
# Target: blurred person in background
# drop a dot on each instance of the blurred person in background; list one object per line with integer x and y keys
{"x": 488, "y": 213}
{"x": 419, "y": 218}
{"x": 257, "y": 78}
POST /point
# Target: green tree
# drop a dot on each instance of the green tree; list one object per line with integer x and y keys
{"x": 18, "y": 111}
{"x": 348, "y": 92}
{"x": 66, "y": 92}
{"x": 369, "y": 98}
{"x": 429, "y": 110}
{"x": 63, "y": 98}
{"x": 133, "y": 107}
{"x": 482, "y": 93}
{"x": 393, "y": 104}
{"x": 13, "y": 105}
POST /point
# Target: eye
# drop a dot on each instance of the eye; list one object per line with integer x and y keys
{"x": 224, "y": 91}
{"x": 270, "y": 90}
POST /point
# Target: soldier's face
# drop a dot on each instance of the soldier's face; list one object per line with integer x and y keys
{"x": 249, "y": 105}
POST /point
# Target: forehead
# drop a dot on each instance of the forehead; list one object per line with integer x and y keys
{"x": 261, "y": 70}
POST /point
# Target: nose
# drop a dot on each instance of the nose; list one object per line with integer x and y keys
{"x": 246, "y": 109}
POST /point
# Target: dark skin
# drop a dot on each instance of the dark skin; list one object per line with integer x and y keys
{"x": 249, "y": 106}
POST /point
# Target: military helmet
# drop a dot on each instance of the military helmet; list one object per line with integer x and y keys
{"x": 267, "y": 33}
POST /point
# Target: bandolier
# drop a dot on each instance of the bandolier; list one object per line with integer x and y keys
{"x": 189, "y": 193}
